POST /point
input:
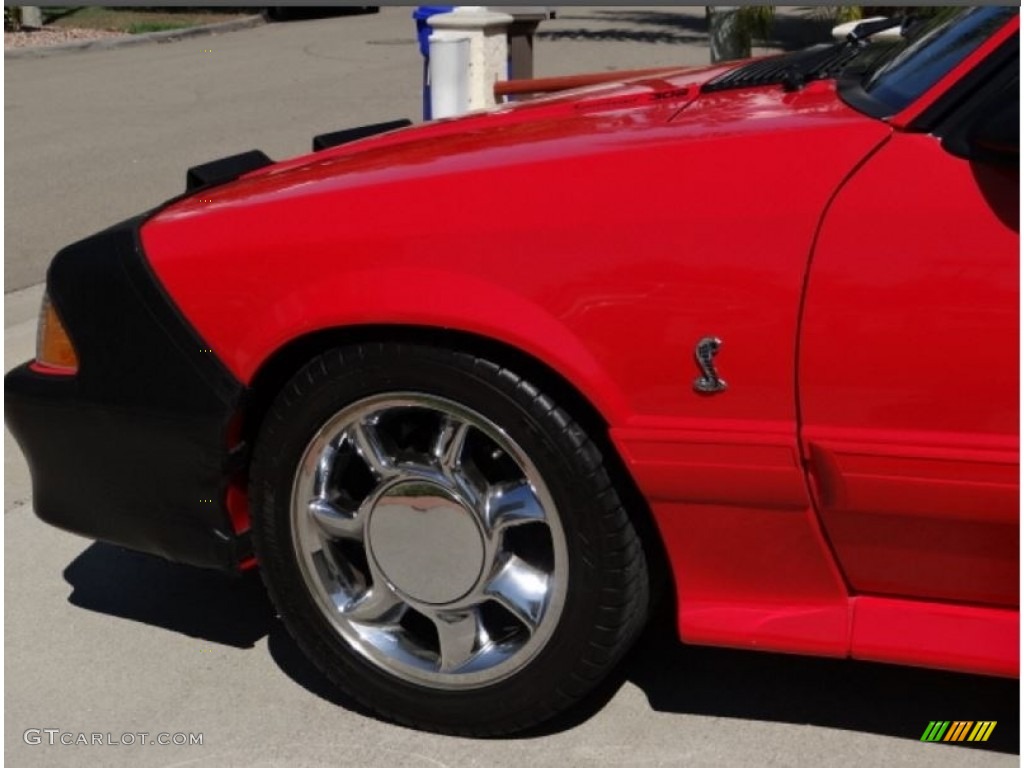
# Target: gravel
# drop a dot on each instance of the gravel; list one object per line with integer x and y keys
{"x": 27, "y": 38}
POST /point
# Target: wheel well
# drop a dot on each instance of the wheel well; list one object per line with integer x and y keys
{"x": 275, "y": 373}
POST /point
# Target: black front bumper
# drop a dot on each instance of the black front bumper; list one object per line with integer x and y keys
{"x": 135, "y": 448}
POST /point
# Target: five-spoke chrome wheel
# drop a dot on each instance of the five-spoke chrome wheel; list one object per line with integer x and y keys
{"x": 429, "y": 540}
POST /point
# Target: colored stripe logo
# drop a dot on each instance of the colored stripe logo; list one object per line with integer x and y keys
{"x": 958, "y": 730}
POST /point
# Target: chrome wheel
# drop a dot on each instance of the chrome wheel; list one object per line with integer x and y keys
{"x": 429, "y": 540}
{"x": 442, "y": 539}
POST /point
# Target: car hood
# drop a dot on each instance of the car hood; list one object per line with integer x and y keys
{"x": 562, "y": 204}
{"x": 609, "y": 117}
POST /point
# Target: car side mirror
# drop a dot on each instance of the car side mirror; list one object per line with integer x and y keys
{"x": 995, "y": 137}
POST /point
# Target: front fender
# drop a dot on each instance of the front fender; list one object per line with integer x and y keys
{"x": 431, "y": 298}
{"x": 406, "y": 296}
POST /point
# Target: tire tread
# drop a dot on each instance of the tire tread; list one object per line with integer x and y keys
{"x": 623, "y": 587}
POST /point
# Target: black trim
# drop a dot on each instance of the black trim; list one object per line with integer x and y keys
{"x": 958, "y": 129}
{"x": 129, "y": 449}
{"x": 337, "y": 138}
{"x": 791, "y": 70}
{"x": 225, "y": 169}
{"x": 850, "y": 88}
{"x": 969, "y": 85}
{"x": 852, "y": 92}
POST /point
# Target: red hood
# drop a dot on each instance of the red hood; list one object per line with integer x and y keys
{"x": 516, "y": 209}
{"x": 604, "y": 118}
{"x": 650, "y": 99}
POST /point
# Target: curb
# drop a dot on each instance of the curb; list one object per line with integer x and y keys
{"x": 22, "y": 305}
{"x": 103, "y": 44}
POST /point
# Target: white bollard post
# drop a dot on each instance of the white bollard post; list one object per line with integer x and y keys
{"x": 449, "y": 74}
{"x": 31, "y": 16}
{"x": 488, "y": 49}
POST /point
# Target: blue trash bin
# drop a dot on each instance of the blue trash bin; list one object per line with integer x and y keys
{"x": 420, "y": 16}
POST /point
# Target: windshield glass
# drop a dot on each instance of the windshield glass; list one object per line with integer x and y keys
{"x": 898, "y": 74}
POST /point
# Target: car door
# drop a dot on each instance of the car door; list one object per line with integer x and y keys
{"x": 908, "y": 366}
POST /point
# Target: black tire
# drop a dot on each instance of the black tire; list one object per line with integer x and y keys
{"x": 605, "y": 603}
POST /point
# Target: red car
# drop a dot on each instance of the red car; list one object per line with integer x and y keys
{"x": 471, "y": 394}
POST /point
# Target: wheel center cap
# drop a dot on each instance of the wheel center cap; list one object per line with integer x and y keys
{"x": 426, "y": 542}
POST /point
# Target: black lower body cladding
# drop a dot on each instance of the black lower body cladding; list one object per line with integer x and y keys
{"x": 134, "y": 448}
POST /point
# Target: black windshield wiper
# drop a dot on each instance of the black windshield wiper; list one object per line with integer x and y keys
{"x": 841, "y": 54}
{"x": 795, "y": 70}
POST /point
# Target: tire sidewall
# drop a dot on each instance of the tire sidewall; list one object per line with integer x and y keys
{"x": 333, "y": 382}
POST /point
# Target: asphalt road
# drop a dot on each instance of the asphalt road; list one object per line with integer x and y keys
{"x": 95, "y": 137}
{"x": 101, "y": 640}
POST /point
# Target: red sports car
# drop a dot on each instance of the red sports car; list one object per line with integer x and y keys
{"x": 472, "y": 394}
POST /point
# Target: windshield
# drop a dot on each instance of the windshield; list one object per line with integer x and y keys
{"x": 894, "y": 76}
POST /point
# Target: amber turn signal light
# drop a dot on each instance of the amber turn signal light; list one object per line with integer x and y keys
{"x": 53, "y": 345}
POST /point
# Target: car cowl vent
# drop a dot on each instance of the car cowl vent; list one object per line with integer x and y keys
{"x": 790, "y": 70}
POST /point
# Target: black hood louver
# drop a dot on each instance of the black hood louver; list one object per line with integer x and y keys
{"x": 328, "y": 140}
{"x": 225, "y": 169}
{"x": 790, "y": 70}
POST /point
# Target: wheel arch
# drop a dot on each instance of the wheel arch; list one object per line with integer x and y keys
{"x": 274, "y": 373}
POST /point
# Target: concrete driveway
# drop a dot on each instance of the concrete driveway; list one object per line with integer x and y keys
{"x": 103, "y": 641}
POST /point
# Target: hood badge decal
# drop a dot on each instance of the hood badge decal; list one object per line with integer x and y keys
{"x": 709, "y": 382}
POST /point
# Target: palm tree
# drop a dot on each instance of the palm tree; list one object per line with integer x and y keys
{"x": 732, "y": 28}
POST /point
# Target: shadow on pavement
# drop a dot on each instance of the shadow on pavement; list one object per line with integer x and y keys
{"x": 789, "y": 31}
{"x": 882, "y": 699}
{"x": 293, "y": 662}
{"x": 830, "y": 693}
{"x": 199, "y": 603}
{"x": 313, "y": 12}
{"x": 621, "y": 35}
{"x": 672, "y": 28}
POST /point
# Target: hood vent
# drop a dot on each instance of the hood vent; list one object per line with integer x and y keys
{"x": 791, "y": 70}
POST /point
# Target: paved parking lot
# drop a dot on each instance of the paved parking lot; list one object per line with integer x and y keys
{"x": 101, "y": 640}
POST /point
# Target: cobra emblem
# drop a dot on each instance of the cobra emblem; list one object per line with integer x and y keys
{"x": 709, "y": 382}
